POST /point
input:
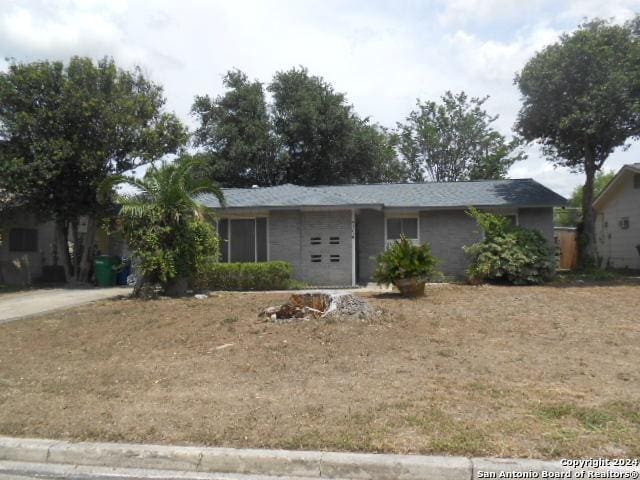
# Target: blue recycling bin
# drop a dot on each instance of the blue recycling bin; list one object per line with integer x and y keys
{"x": 123, "y": 272}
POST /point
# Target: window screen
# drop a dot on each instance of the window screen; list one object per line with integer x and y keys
{"x": 223, "y": 232}
{"x": 243, "y": 240}
{"x": 261, "y": 239}
{"x": 23, "y": 240}
{"x": 402, "y": 226}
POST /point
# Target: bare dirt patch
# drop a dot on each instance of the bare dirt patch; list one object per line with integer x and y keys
{"x": 505, "y": 371}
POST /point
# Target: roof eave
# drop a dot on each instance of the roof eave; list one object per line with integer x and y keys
{"x": 386, "y": 207}
{"x": 605, "y": 191}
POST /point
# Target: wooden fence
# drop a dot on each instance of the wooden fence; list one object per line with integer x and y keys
{"x": 566, "y": 240}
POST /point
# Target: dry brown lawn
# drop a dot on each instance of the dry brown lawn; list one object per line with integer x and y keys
{"x": 505, "y": 371}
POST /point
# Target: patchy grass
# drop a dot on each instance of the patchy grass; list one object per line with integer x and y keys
{"x": 597, "y": 276}
{"x": 469, "y": 370}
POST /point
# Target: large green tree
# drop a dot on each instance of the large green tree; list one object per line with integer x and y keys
{"x": 65, "y": 128}
{"x": 581, "y": 101}
{"x": 308, "y": 135}
{"x": 235, "y": 133}
{"x": 315, "y": 125}
{"x": 454, "y": 140}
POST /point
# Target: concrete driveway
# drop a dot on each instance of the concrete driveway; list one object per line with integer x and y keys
{"x": 33, "y": 302}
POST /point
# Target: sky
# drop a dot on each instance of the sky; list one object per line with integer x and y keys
{"x": 382, "y": 54}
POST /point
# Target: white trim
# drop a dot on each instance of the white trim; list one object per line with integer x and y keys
{"x": 268, "y": 241}
{"x": 228, "y": 240}
{"x": 353, "y": 248}
{"x": 255, "y": 240}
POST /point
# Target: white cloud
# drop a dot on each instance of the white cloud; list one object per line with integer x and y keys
{"x": 460, "y": 12}
{"x": 618, "y": 10}
{"x": 60, "y": 33}
{"x": 382, "y": 54}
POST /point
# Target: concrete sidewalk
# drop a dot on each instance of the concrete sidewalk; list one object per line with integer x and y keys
{"x": 33, "y": 302}
{"x": 27, "y": 458}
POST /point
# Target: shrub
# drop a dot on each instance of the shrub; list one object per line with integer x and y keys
{"x": 405, "y": 260}
{"x": 167, "y": 230}
{"x": 508, "y": 253}
{"x": 244, "y": 276}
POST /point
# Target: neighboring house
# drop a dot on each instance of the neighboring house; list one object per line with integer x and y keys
{"x": 28, "y": 249}
{"x": 618, "y": 220}
{"x": 332, "y": 234}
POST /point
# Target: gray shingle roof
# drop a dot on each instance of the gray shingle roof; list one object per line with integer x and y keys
{"x": 492, "y": 193}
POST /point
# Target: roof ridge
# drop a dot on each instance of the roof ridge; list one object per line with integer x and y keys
{"x": 382, "y": 183}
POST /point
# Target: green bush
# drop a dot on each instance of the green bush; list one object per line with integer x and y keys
{"x": 405, "y": 260}
{"x": 244, "y": 276}
{"x": 508, "y": 253}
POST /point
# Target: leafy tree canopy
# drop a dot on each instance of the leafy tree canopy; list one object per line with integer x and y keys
{"x": 308, "y": 135}
{"x": 601, "y": 181}
{"x": 454, "y": 140}
{"x": 65, "y": 128}
{"x": 235, "y": 130}
{"x": 581, "y": 101}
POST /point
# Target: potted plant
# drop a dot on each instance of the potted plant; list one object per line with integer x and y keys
{"x": 407, "y": 266}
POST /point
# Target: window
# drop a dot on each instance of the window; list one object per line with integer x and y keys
{"x": 23, "y": 240}
{"x": 402, "y": 226}
{"x": 223, "y": 232}
{"x": 624, "y": 223}
{"x": 243, "y": 239}
{"x": 636, "y": 180}
{"x": 513, "y": 219}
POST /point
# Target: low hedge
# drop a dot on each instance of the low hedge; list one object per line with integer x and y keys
{"x": 244, "y": 276}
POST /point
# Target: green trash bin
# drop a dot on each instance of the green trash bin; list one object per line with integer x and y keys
{"x": 106, "y": 269}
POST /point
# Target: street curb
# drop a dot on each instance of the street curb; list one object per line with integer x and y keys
{"x": 346, "y": 466}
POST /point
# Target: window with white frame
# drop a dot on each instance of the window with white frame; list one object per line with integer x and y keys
{"x": 243, "y": 239}
{"x": 399, "y": 226}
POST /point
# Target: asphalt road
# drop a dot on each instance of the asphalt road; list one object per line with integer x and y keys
{"x": 23, "y": 471}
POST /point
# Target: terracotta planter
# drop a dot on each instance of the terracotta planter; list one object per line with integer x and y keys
{"x": 411, "y": 287}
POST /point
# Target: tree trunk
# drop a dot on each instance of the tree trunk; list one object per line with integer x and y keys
{"x": 62, "y": 247}
{"x": 176, "y": 287}
{"x": 75, "y": 238}
{"x": 587, "y": 243}
{"x": 86, "y": 257}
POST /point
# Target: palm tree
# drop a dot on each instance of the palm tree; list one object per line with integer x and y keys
{"x": 158, "y": 216}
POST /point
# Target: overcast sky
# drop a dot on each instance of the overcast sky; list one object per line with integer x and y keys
{"x": 382, "y": 54}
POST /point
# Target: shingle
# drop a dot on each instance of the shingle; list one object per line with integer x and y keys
{"x": 515, "y": 193}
